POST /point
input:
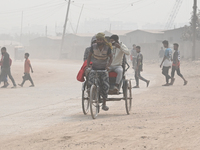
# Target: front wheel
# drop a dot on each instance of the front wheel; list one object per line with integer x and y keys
{"x": 128, "y": 96}
{"x": 85, "y": 99}
{"x": 94, "y": 101}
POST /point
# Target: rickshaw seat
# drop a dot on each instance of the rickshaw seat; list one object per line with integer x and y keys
{"x": 113, "y": 74}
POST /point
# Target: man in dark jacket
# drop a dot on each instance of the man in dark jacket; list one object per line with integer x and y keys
{"x": 5, "y": 71}
{"x": 87, "y": 50}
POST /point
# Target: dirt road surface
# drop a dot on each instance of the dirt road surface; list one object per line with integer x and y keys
{"x": 49, "y": 115}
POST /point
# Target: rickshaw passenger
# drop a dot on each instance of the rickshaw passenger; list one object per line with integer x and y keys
{"x": 118, "y": 51}
{"x": 87, "y": 50}
{"x": 100, "y": 51}
{"x": 86, "y": 53}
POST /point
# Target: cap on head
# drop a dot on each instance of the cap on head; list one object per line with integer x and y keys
{"x": 114, "y": 37}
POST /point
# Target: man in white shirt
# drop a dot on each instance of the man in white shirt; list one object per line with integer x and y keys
{"x": 166, "y": 63}
{"x": 118, "y": 51}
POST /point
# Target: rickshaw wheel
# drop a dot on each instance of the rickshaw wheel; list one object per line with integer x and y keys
{"x": 85, "y": 99}
{"x": 128, "y": 96}
{"x": 94, "y": 101}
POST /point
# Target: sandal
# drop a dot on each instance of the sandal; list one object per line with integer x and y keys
{"x": 148, "y": 83}
{"x": 185, "y": 83}
{"x": 104, "y": 107}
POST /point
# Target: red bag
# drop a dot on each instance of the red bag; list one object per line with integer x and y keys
{"x": 80, "y": 75}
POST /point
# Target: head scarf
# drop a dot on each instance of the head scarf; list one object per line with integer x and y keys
{"x": 102, "y": 36}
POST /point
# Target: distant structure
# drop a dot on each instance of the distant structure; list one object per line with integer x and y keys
{"x": 173, "y": 14}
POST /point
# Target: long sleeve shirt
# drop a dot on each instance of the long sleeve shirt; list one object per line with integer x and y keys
{"x": 118, "y": 54}
{"x": 6, "y": 61}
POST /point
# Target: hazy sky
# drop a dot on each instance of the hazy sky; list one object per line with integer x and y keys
{"x": 51, "y": 12}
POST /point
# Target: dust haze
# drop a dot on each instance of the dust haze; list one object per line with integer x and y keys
{"x": 49, "y": 115}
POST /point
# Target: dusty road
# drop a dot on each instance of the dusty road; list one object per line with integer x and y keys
{"x": 49, "y": 116}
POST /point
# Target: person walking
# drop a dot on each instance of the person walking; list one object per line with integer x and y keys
{"x": 27, "y": 68}
{"x": 6, "y": 84}
{"x": 166, "y": 62}
{"x": 176, "y": 65}
{"x": 5, "y": 71}
{"x": 139, "y": 68}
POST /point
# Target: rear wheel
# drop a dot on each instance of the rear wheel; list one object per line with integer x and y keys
{"x": 85, "y": 99}
{"x": 128, "y": 96}
{"x": 94, "y": 101}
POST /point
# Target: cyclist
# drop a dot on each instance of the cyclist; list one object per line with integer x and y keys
{"x": 100, "y": 51}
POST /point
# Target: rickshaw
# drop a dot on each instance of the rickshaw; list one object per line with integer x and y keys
{"x": 92, "y": 100}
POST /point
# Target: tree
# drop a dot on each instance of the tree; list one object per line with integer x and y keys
{"x": 187, "y": 34}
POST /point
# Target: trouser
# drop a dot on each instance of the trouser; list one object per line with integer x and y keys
{"x": 27, "y": 76}
{"x": 165, "y": 72}
{"x": 119, "y": 71}
{"x": 138, "y": 76}
{"x": 177, "y": 71}
{"x": 104, "y": 82}
{"x": 1, "y": 78}
{"x": 134, "y": 63}
{"x": 6, "y": 72}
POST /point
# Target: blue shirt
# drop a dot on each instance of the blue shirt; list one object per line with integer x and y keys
{"x": 168, "y": 53}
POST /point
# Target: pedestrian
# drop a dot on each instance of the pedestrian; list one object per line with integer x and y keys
{"x": 139, "y": 68}
{"x": 27, "y": 68}
{"x": 6, "y": 84}
{"x": 6, "y": 71}
{"x": 101, "y": 52}
{"x": 133, "y": 56}
{"x": 176, "y": 65}
{"x": 118, "y": 51}
{"x": 166, "y": 62}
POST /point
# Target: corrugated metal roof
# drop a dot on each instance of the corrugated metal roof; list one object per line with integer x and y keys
{"x": 150, "y": 31}
{"x": 120, "y": 32}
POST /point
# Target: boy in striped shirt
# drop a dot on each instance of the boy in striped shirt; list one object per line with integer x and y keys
{"x": 176, "y": 65}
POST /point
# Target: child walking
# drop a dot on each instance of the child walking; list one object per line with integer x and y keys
{"x": 27, "y": 68}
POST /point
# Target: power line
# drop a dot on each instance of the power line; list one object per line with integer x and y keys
{"x": 27, "y": 8}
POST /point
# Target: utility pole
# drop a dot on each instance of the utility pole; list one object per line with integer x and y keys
{"x": 79, "y": 19}
{"x": 194, "y": 23}
{"x": 21, "y": 28}
{"x": 63, "y": 36}
{"x": 46, "y": 31}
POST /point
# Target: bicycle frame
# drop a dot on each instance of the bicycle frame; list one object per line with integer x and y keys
{"x": 97, "y": 81}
